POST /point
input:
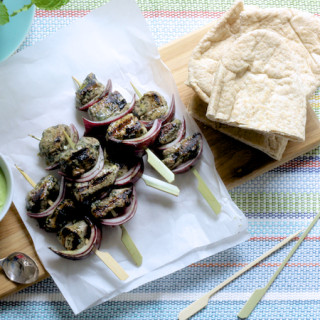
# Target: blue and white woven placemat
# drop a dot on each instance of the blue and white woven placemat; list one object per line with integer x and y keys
{"x": 277, "y": 204}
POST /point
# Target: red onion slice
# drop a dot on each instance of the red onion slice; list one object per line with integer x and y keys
{"x": 106, "y": 91}
{"x": 53, "y": 166}
{"x": 126, "y": 215}
{"x": 91, "y": 173}
{"x": 89, "y": 124}
{"x": 144, "y": 141}
{"x": 84, "y": 251}
{"x": 132, "y": 176}
{"x": 50, "y": 210}
{"x": 98, "y": 240}
{"x": 164, "y": 119}
{"x": 184, "y": 167}
{"x": 180, "y": 136}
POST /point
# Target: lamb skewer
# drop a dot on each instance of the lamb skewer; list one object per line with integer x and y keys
{"x": 181, "y": 156}
{"x": 125, "y": 237}
{"x": 105, "y": 257}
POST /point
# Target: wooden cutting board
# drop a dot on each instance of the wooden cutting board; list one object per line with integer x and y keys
{"x": 235, "y": 161}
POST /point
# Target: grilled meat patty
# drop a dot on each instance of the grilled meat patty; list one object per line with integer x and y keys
{"x": 77, "y": 161}
{"x": 62, "y": 215}
{"x": 43, "y": 194}
{"x": 106, "y": 178}
{"x": 128, "y": 127}
{"x": 118, "y": 198}
{"x": 181, "y": 152}
{"x": 151, "y": 106}
{"x": 74, "y": 236}
{"x": 53, "y": 142}
{"x": 110, "y": 106}
{"x": 90, "y": 89}
{"x": 169, "y": 132}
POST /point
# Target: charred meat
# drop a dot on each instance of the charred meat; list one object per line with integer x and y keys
{"x": 128, "y": 127}
{"x": 169, "y": 132}
{"x": 43, "y": 194}
{"x": 75, "y": 235}
{"x": 183, "y": 151}
{"x": 77, "y": 161}
{"x": 53, "y": 142}
{"x": 123, "y": 169}
{"x": 118, "y": 198}
{"x": 110, "y": 106}
{"x": 90, "y": 89}
{"x": 106, "y": 178}
{"x": 62, "y": 215}
{"x": 151, "y": 106}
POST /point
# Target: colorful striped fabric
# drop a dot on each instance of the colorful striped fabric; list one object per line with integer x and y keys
{"x": 277, "y": 204}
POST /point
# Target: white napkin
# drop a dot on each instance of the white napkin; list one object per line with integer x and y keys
{"x": 37, "y": 91}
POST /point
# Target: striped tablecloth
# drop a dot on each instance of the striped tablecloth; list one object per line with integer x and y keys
{"x": 277, "y": 204}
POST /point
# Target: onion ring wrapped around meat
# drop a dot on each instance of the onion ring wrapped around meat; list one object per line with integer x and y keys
{"x": 45, "y": 197}
{"x": 171, "y": 133}
{"x": 79, "y": 239}
{"x": 183, "y": 155}
{"x": 130, "y": 174}
{"x": 91, "y": 124}
{"x": 83, "y": 162}
{"x": 129, "y": 132}
{"x": 90, "y": 92}
{"x": 104, "y": 179}
{"x": 118, "y": 207}
{"x": 53, "y": 142}
{"x": 152, "y": 106}
{"x": 63, "y": 214}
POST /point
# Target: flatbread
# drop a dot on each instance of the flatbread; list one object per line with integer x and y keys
{"x": 275, "y": 89}
{"x": 258, "y": 87}
{"x": 205, "y": 57}
{"x": 301, "y": 29}
{"x": 273, "y": 145}
{"x": 301, "y": 34}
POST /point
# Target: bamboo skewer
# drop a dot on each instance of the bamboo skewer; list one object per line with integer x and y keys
{"x": 258, "y": 294}
{"x": 202, "y": 302}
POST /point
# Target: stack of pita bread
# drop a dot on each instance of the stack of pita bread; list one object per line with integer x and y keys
{"x": 253, "y": 74}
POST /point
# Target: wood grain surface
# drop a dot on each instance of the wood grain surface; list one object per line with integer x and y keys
{"x": 235, "y": 161}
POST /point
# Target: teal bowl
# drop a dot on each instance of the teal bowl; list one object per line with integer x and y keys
{"x": 7, "y": 172}
{"x": 15, "y": 31}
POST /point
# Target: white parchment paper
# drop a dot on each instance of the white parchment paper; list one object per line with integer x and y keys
{"x": 37, "y": 91}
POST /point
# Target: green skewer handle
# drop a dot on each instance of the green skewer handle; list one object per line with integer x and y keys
{"x": 129, "y": 244}
{"x": 206, "y": 193}
{"x": 131, "y": 247}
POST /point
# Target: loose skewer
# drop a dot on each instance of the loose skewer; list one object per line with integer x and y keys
{"x": 258, "y": 294}
{"x": 105, "y": 257}
{"x": 202, "y": 302}
{"x": 157, "y": 164}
